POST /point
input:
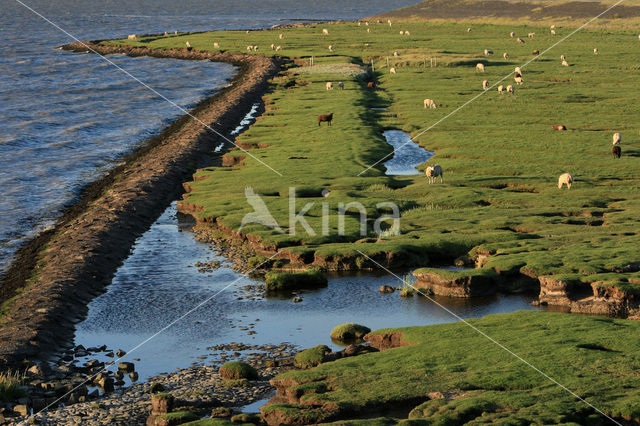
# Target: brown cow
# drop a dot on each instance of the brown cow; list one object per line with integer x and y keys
{"x": 371, "y": 85}
{"x": 535, "y": 52}
{"x": 559, "y": 127}
{"x": 325, "y": 117}
{"x": 616, "y": 151}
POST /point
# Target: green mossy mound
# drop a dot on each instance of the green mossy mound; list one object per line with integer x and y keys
{"x": 287, "y": 281}
{"x": 250, "y": 418}
{"x": 349, "y": 332}
{"x": 237, "y": 370}
{"x": 179, "y": 417}
{"x": 311, "y": 357}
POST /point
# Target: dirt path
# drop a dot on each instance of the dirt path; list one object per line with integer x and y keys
{"x": 65, "y": 268}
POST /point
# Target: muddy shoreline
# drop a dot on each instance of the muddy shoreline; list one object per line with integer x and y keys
{"x": 52, "y": 278}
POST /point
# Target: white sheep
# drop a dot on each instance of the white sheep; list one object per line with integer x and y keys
{"x": 505, "y": 55}
{"x": 325, "y": 31}
{"x": 565, "y": 179}
{"x": 517, "y": 70}
{"x": 132, "y": 36}
{"x": 407, "y": 33}
{"x": 480, "y": 67}
{"x": 530, "y": 35}
{"x": 518, "y": 79}
{"x": 563, "y": 58}
{"x": 329, "y": 85}
{"x": 501, "y": 89}
{"x": 273, "y": 46}
{"x": 521, "y": 41}
{"x": 175, "y": 32}
{"x": 488, "y": 52}
{"x": 392, "y": 70}
{"x": 255, "y": 48}
{"x": 389, "y": 22}
{"x": 331, "y": 48}
{"x": 433, "y": 172}
{"x": 188, "y": 44}
{"x": 249, "y": 48}
{"x": 512, "y": 34}
{"x": 366, "y": 23}
{"x": 341, "y": 85}
{"x": 469, "y": 29}
{"x": 368, "y": 30}
{"x": 553, "y": 32}
{"x": 485, "y": 84}
{"x": 396, "y": 54}
{"x": 401, "y": 32}
{"x": 216, "y": 45}
{"x": 430, "y": 103}
{"x": 565, "y": 63}
{"x": 553, "y": 27}
{"x": 595, "y": 50}
{"x": 617, "y": 138}
{"x": 358, "y": 23}
{"x": 278, "y": 48}
{"x": 510, "y": 89}
{"x": 280, "y": 36}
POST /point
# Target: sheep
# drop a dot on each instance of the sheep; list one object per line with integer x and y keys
{"x": 512, "y": 34}
{"x": 366, "y": 23}
{"x": 368, "y": 30}
{"x": 358, "y": 23}
{"x": 501, "y": 89}
{"x": 565, "y": 63}
{"x": 188, "y": 46}
{"x": 325, "y": 31}
{"x": 518, "y": 79}
{"x": 535, "y": 52}
{"x": 249, "y": 48}
{"x": 401, "y": 32}
{"x": 553, "y": 27}
{"x": 617, "y": 138}
{"x": 131, "y": 37}
{"x": 469, "y": 30}
{"x": 530, "y": 35}
{"x": 616, "y": 151}
{"x": 505, "y": 55}
{"x": 559, "y": 127}
{"x": 510, "y": 89}
{"x": 563, "y": 58}
{"x": 488, "y": 52}
{"x": 273, "y": 46}
{"x": 407, "y": 33}
{"x": 553, "y": 32}
{"x": 329, "y": 85}
{"x": 485, "y": 84}
{"x": 519, "y": 40}
{"x": 166, "y": 33}
{"x": 341, "y": 85}
{"x": 430, "y": 103}
{"x": 255, "y": 48}
{"x": 325, "y": 118}
{"x": 392, "y": 70}
{"x": 595, "y": 50}
{"x": 331, "y": 48}
{"x": 480, "y": 67}
{"x": 280, "y": 36}
{"x": 278, "y": 48}
{"x": 565, "y": 179}
{"x": 389, "y": 22}
{"x": 432, "y": 172}
{"x": 517, "y": 70}
{"x": 216, "y": 45}
{"x": 175, "y": 32}
{"x": 396, "y": 54}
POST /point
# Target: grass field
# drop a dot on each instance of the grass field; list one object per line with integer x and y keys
{"x": 500, "y": 156}
{"x": 452, "y": 375}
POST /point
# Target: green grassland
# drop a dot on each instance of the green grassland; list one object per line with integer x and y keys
{"x": 453, "y": 375}
{"x": 500, "y": 156}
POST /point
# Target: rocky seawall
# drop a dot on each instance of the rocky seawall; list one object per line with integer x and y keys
{"x": 47, "y": 287}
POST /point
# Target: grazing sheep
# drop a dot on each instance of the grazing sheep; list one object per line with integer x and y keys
{"x": 392, "y": 70}
{"x": 559, "y": 127}
{"x": 565, "y": 63}
{"x": 189, "y": 46}
{"x": 371, "y": 85}
{"x": 278, "y": 48}
{"x": 553, "y": 32}
{"x": 401, "y": 32}
{"x": 396, "y": 54}
{"x": 485, "y": 84}
{"x": 616, "y": 151}
{"x": 175, "y": 32}
{"x": 366, "y": 23}
{"x": 249, "y": 48}
{"x": 325, "y": 31}
{"x": 505, "y": 55}
{"x": 469, "y": 30}
{"x": 617, "y": 138}
{"x": 510, "y": 89}
{"x": 341, "y": 85}
{"x": 517, "y": 70}
{"x": 521, "y": 41}
{"x": 255, "y": 48}
{"x": 530, "y": 35}
{"x": 280, "y": 36}
{"x": 368, "y": 30}
{"x": 553, "y": 26}
{"x": 512, "y": 34}
{"x": 433, "y": 172}
{"x": 430, "y": 103}
{"x": 563, "y": 58}
{"x": 407, "y": 33}
{"x": 518, "y": 79}
{"x": 358, "y": 23}
{"x": 166, "y": 33}
{"x": 595, "y": 50}
{"x": 329, "y": 85}
{"x": 480, "y": 67}
{"x": 273, "y": 46}
{"x": 216, "y": 45}
{"x": 535, "y": 52}
{"x": 325, "y": 118}
{"x": 565, "y": 179}
{"x": 389, "y": 22}
{"x": 488, "y": 52}
{"x": 331, "y": 48}
{"x": 131, "y": 37}
{"x": 501, "y": 89}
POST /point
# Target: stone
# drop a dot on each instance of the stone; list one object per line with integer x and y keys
{"x": 22, "y": 410}
{"x": 386, "y": 289}
{"x": 106, "y": 384}
{"x": 133, "y": 376}
{"x": 120, "y": 353}
{"x": 161, "y": 403}
{"x": 126, "y": 367}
